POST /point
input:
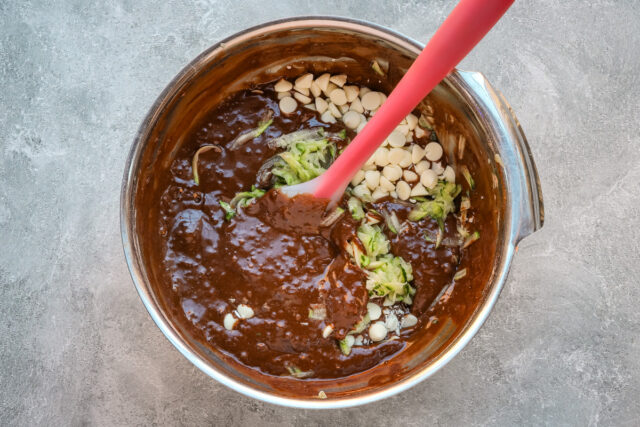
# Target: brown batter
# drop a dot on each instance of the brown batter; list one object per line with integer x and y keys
{"x": 275, "y": 257}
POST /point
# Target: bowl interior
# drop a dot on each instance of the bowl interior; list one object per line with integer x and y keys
{"x": 289, "y": 49}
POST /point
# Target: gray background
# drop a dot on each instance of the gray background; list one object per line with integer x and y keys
{"x": 76, "y": 345}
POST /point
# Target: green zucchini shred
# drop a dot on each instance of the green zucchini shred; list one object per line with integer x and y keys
{"x": 294, "y": 371}
{"x": 471, "y": 239}
{"x": 344, "y": 347}
{"x": 387, "y": 275}
{"x": 305, "y": 158}
{"x": 229, "y": 211}
{"x": 468, "y": 177}
{"x": 245, "y": 198}
{"x": 355, "y": 208}
{"x": 442, "y": 204}
{"x": 361, "y": 325}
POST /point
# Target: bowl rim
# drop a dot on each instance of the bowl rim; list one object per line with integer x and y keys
{"x": 137, "y": 271}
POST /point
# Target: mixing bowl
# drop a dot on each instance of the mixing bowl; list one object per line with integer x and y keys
{"x": 469, "y": 113}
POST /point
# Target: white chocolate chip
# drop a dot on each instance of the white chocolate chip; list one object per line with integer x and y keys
{"x": 371, "y": 100}
{"x": 449, "y": 174}
{"x": 327, "y": 117}
{"x": 379, "y": 193}
{"x": 417, "y": 153}
{"x": 315, "y": 89}
{"x": 363, "y": 91}
{"x": 374, "y": 311}
{"x": 304, "y": 91}
{"x": 403, "y": 129}
{"x": 351, "y": 92}
{"x": 338, "y": 97}
{"x": 244, "y": 311}
{"x": 372, "y": 178}
{"x": 283, "y": 86}
{"x": 361, "y": 126}
{"x": 395, "y": 155}
{"x": 429, "y": 179}
{"x": 396, "y": 139}
{"x": 408, "y": 321}
{"x": 323, "y": 81}
{"x": 310, "y": 107}
{"x": 405, "y": 160}
{"x": 351, "y": 119}
{"x": 422, "y": 166}
{"x": 437, "y": 168}
{"x": 403, "y": 189}
{"x": 288, "y": 105}
{"x": 327, "y": 331}
{"x": 229, "y": 321}
{"x": 410, "y": 176}
{"x": 392, "y": 172}
{"x": 391, "y": 322}
{"x": 330, "y": 88}
{"x": 339, "y": 79}
{"x": 377, "y": 331}
{"x": 371, "y": 160}
{"x": 356, "y": 106}
{"x": 420, "y": 133}
{"x": 412, "y": 121}
{"x": 382, "y": 156}
{"x": 343, "y": 108}
{"x": 409, "y": 137}
{"x": 369, "y": 167}
{"x": 357, "y": 178}
{"x": 304, "y": 81}
{"x": 419, "y": 190}
{"x": 321, "y": 105}
{"x": 302, "y": 98}
{"x": 386, "y": 185}
{"x": 433, "y": 151}
{"x": 283, "y": 95}
{"x": 335, "y": 112}
{"x": 361, "y": 191}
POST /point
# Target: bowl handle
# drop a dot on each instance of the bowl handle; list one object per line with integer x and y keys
{"x": 521, "y": 173}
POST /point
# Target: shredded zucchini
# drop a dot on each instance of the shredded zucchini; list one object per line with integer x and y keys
{"x": 387, "y": 275}
{"x": 355, "y": 208}
{"x": 298, "y": 373}
{"x": 332, "y": 217}
{"x": 307, "y": 155}
{"x": 229, "y": 211}
{"x": 471, "y": 239}
{"x": 196, "y": 156}
{"x": 317, "y": 312}
{"x": 362, "y": 325}
{"x": 391, "y": 279}
{"x": 373, "y": 240}
{"x": 248, "y": 135}
{"x": 376, "y": 67}
{"x": 344, "y": 347}
{"x": 442, "y": 204}
{"x": 245, "y": 198}
{"x": 460, "y": 274}
{"x": 467, "y": 176}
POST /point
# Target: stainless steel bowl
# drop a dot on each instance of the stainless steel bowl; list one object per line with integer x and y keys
{"x": 468, "y": 103}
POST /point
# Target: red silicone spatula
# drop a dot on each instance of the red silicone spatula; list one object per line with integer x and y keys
{"x": 459, "y": 33}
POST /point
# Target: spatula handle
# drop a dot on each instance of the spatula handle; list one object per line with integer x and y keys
{"x": 467, "y": 24}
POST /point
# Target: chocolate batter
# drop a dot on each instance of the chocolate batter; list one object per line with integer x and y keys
{"x": 275, "y": 257}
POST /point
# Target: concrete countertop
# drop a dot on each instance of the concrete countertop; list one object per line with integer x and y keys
{"x": 562, "y": 346}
